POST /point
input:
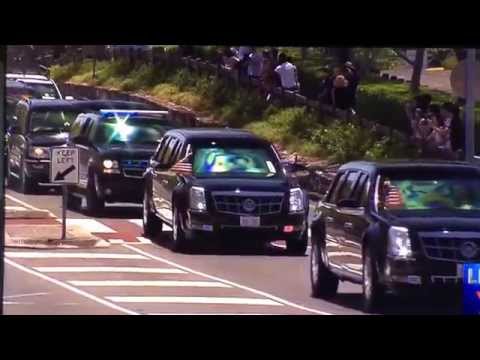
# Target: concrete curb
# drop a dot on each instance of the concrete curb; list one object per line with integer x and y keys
{"x": 49, "y": 244}
{"x": 17, "y": 212}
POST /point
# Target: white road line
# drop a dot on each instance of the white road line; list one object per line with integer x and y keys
{"x": 71, "y": 288}
{"x": 13, "y": 208}
{"x": 21, "y": 202}
{"x": 143, "y": 240}
{"x": 192, "y": 300}
{"x": 116, "y": 241}
{"x": 90, "y": 225}
{"x": 45, "y": 255}
{"x": 258, "y": 292}
{"x": 203, "y": 314}
{"x": 107, "y": 269}
{"x": 154, "y": 283}
{"x": 24, "y": 295}
{"x": 17, "y": 303}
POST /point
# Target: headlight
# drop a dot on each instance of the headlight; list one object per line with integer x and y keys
{"x": 296, "y": 200}
{"x": 110, "y": 167}
{"x": 197, "y": 198}
{"x": 399, "y": 243}
{"x": 38, "y": 152}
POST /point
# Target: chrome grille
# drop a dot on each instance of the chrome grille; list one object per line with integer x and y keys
{"x": 134, "y": 168}
{"x": 232, "y": 203}
{"x": 446, "y": 246}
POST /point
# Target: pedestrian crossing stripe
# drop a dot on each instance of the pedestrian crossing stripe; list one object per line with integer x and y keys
{"x": 148, "y": 283}
{"x": 45, "y": 255}
{"x": 192, "y": 300}
{"x": 108, "y": 269}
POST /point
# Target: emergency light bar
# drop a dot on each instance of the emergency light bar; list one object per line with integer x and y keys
{"x": 133, "y": 112}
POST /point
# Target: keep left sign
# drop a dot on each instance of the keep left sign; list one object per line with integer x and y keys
{"x": 64, "y": 165}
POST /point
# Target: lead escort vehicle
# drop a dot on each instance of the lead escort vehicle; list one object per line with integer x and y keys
{"x": 115, "y": 147}
{"x": 37, "y": 126}
{"x": 225, "y": 184}
{"x": 400, "y": 227}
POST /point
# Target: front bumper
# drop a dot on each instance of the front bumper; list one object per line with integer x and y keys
{"x": 422, "y": 275}
{"x": 118, "y": 188}
{"x": 39, "y": 171}
{"x": 228, "y": 226}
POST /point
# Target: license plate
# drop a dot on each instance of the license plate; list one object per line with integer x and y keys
{"x": 249, "y": 221}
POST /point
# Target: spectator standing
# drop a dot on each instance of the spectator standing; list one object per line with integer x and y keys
{"x": 351, "y": 74}
{"x": 243, "y": 60}
{"x": 269, "y": 77}
{"x": 325, "y": 95}
{"x": 230, "y": 61}
{"x": 451, "y": 115}
{"x": 439, "y": 139}
{"x": 255, "y": 64}
{"x": 340, "y": 92}
{"x": 288, "y": 74}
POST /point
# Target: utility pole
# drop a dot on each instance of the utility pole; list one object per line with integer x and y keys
{"x": 3, "y": 58}
{"x": 470, "y": 106}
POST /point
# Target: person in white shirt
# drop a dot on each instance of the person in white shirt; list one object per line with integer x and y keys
{"x": 255, "y": 64}
{"x": 287, "y": 73}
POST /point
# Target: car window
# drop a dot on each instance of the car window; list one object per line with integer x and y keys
{"x": 332, "y": 198}
{"x": 164, "y": 147}
{"x": 347, "y": 187}
{"x": 167, "y": 155}
{"x": 85, "y": 127}
{"x": 176, "y": 153}
{"x": 358, "y": 187}
{"x": 365, "y": 193}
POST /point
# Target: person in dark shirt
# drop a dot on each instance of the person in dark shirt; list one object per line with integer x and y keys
{"x": 451, "y": 115}
{"x": 351, "y": 74}
{"x": 340, "y": 90}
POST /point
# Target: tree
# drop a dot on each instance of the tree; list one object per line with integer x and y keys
{"x": 417, "y": 65}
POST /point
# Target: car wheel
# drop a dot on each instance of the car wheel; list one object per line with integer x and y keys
{"x": 298, "y": 247}
{"x": 373, "y": 291}
{"x": 73, "y": 202}
{"x": 152, "y": 225}
{"x": 94, "y": 203}
{"x": 179, "y": 243}
{"x": 323, "y": 282}
{"x": 27, "y": 185}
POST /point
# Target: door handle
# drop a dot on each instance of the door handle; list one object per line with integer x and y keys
{"x": 165, "y": 181}
{"x": 348, "y": 225}
{"x": 329, "y": 219}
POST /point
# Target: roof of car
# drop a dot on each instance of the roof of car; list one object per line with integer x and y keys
{"x": 379, "y": 166}
{"x": 35, "y": 81}
{"x": 26, "y": 76}
{"x": 98, "y": 105}
{"x": 217, "y": 133}
{"x": 86, "y": 105}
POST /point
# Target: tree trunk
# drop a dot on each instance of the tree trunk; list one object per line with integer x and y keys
{"x": 417, "y": 70}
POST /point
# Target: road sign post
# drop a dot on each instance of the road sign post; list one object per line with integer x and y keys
{"x": 64, "y": 171}
{"x": 2, "y": 170}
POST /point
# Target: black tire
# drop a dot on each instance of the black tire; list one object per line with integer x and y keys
{"x": 373, "y": 291}
{"x": 94, "y": 203}
{"x": 73, "y": 202}
{"x": 152, "y": 225}
{"x": 179, "y": 239}
{"x": 27, "y": 185}
{"x": 324, "y": 283}
{"x": 298, "y": 247}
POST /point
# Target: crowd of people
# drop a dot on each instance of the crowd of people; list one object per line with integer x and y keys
{"x": 436, "y": 129}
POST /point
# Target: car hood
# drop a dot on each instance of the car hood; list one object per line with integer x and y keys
{"x": 48, "y": 139}
{"x": 242, "y": 184}
{"x": 128, "y": 152}
{"x": 461, "y": 221}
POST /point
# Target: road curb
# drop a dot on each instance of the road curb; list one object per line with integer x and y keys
{"x": 50, "y": 244}
{"x": 17, "y": 212}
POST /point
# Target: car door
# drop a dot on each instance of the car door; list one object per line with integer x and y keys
{"x": 82, "y": 144}
{"x": 333, "y": 230}
{"x": 355, "y": 226}
{"x": 341, "y": 216}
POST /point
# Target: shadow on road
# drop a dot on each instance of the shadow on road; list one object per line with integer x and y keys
{"x": 233, "y": 248}
{"x": 446, "y": 305}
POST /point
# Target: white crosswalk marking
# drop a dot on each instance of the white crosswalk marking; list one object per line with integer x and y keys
{"x": 107, "y": 269}
{"x": 192, "y": 300}
{"x": 44, "y": 255}
{"x": 153, "y": 283}
{"x": 89, "y": 225}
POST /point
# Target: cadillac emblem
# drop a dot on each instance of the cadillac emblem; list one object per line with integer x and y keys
{"x": 249, "y": 205}
{"x": 469, "y": 250}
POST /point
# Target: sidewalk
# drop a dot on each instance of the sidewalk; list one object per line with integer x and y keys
{"x": 29, "y": 227}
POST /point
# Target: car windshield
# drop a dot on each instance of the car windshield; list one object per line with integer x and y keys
{"x": 132, "y": 130}
{"x": 234, "y": 162}
{"x": 41, "y": 91}
{"x": 450, "y": 192}
{"x": 52, "y": 120}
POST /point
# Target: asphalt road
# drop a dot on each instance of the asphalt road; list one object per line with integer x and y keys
{"x": 137, "y": 276}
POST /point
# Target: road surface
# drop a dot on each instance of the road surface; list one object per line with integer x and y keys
{"x": 137, "y": 276}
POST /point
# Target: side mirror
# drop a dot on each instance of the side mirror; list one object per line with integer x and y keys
{"x": 348, "y": 203}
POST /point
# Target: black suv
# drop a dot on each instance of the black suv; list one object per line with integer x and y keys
{"x": 115, "y": 147}
{"x": 403, "y": 227}
{"x": 39, "y": 125}
{"x": 207, "y": 182}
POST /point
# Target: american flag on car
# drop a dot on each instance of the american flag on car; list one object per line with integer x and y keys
{"x": 394, "y": 197}
{"x": 183, "y": 167}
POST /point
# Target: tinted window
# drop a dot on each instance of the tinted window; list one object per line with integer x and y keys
{"x": 358, "y": 187}
{"x": 348, "y": 185}
{"x": 167, "y": 156}
{"x": 332, "y": 198}
{"x": 52, "y": 120}
{"x": 365, "y": 193}
{"x": 164, "y": 147}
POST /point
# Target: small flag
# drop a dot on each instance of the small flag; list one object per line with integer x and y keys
{"x": 183, "y": 167}
{"x": 394, "y": 198}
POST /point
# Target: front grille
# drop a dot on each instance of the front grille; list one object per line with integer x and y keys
{"x": 134, "y": 168}
{"x": 448, "y": 248}
{"x": 265, "y": 203}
